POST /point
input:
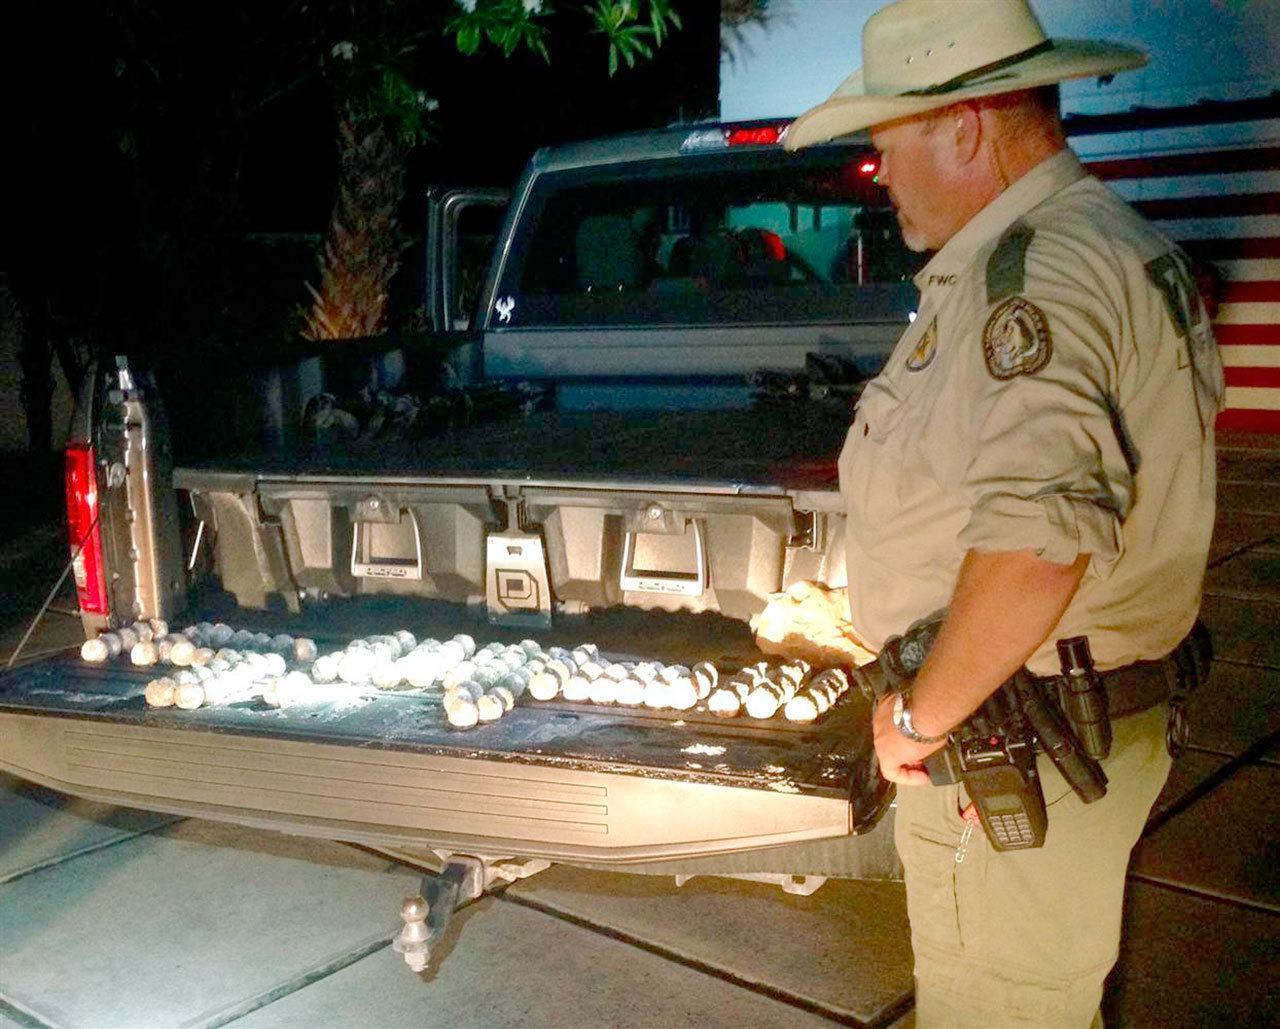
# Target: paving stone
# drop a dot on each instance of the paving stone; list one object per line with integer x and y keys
{"x": 1243, "y": 631}
{"x": 169, "y": 930}
{"x": 1246, "y": 466}
{"x": 1237, "y": 530}
{"x": 1240, "y": 707}
{"x": 509, "y": 966}
{"x": 39, "y": 826}
{"x": 1232, "y": 440}
{"x": 1258, "y": 497}
{"x": 1253, "y": 575}
{"x": 9, "y": 1023}
{"x": 1187, "y": 961}
{"x": 1191, "y": 769}
{"x": 1226, "y": 844}
{"x": 845, "y": 947}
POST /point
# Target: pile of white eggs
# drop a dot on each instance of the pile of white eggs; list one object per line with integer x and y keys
{"x": 212, "y": 664}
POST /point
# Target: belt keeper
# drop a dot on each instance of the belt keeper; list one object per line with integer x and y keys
{"x": 1175, "y": 676}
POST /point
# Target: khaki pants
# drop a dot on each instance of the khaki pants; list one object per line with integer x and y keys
{"x": 1026, "y": 938}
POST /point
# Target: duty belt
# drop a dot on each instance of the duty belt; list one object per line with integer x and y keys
{"x": 1134, "y": 688}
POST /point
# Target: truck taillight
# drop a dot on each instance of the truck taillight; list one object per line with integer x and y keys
{"x": 757, "y": 135}
{"x": 82, "y": 529}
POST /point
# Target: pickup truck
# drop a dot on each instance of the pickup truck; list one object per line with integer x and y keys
{"x": 652, "y": 509}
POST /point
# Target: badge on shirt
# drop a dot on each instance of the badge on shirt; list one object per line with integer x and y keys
{"x": 1016, "y": 339}
{"x": 922, "y": 356}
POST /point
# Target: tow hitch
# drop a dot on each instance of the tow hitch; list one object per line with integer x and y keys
{"x": 427, "y": 914}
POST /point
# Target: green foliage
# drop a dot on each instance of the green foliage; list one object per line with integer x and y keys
{"x": 508, "y": 24}
{"x": 632, "y": 28}
{"x": 390, "y": 99}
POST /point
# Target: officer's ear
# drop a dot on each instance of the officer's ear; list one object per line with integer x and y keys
{"x": 965, "y": 128}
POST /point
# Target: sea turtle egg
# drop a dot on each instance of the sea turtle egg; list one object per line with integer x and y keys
{"x": 453, "y": 651}
{"x": 357, "y": 666}
{"x": 387, "y": 675}
{"x": 274, "y": 664}
{"x": 94, "y": 650}
{"x": 460, "y": 672}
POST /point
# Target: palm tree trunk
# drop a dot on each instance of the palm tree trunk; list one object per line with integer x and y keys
{"x": 363, "y": 245}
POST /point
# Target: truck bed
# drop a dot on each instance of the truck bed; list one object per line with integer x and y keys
{"x": 791, "y": 447}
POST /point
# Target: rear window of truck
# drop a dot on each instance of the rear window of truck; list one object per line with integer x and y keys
{"x": 736, "y": 238}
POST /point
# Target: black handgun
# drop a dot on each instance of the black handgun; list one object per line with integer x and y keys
{"x": 1082, "y": 772}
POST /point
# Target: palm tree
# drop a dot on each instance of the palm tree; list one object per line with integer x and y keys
{"x": 381, "y": 117}
{"x": 362, "y": 249}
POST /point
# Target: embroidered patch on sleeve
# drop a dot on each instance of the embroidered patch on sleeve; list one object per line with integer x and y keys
{"x": 1016, "y": 340}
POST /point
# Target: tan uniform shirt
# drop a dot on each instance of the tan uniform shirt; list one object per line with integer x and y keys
{"x": 1055, "y": 393}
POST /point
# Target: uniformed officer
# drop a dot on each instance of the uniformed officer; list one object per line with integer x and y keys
{"x": 1037, "y": 458}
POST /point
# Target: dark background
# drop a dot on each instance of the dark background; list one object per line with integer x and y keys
{"x": 171, "y": 167}
{"x": 145, "y": 140}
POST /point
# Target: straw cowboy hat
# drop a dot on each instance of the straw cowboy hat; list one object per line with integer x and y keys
{"x": 918, "y": 55}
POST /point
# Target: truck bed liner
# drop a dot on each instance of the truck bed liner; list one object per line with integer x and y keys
{"x": 794, "y": 447}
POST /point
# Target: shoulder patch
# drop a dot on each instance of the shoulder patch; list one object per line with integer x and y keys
{"x": 1170, "y": 273}
{"x": 1016, "y": 339}
{"x": 1007, "y": 265}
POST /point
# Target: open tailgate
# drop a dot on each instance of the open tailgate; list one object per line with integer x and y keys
{"x": 558, "y": 781}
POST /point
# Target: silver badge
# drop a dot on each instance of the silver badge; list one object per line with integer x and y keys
{"x": 1016, "y": 340}
{"x": 505, "y": 306}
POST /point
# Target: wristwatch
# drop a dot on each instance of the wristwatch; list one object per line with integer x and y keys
{"x": 902, "y": 722}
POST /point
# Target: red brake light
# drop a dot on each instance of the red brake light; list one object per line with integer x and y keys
{"x": 868, "y": 167}
{"x": 760, "y": 135}
{"x": 82, "y": 527}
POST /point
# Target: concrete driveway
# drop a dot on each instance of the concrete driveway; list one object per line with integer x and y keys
{"x": 112, "y": 917}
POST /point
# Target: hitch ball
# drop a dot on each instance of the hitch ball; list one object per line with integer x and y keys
{"x": 412, "y": 939}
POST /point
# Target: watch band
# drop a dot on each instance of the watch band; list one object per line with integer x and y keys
{"x": 902, "y": 722}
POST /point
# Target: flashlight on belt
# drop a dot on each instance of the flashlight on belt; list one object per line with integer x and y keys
{"x": 1083, "y": 698}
